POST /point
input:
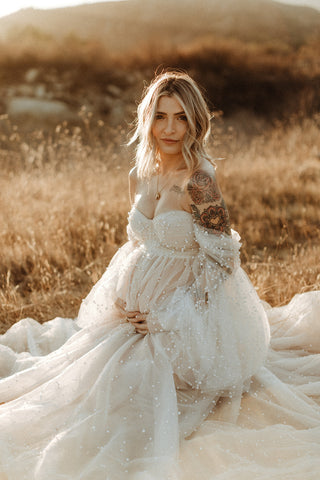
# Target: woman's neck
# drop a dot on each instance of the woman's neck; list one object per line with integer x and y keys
{"x": 168, "y": 164}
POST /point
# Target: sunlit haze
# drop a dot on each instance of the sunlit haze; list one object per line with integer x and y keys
{"x": 14, "y": 5}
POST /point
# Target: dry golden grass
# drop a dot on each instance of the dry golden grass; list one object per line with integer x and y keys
{"x": 64, "y": 211}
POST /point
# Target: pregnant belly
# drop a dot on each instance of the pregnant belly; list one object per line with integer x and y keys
{"x": 152, "y": 278}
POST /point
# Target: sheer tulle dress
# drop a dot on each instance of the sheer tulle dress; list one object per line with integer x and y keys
{"x": 205, "y": 395}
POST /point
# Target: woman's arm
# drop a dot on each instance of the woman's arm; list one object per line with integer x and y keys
{"x": 133, "y": 178}
{"x": 136, "y": 318}
{"x": 206, "y": 202}
{"x": 209, "y": 212}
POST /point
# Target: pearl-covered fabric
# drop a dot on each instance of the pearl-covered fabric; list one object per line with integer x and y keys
{"x": 206, "y": 394}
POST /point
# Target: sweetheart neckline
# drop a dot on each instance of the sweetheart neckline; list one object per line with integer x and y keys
{"x": 159, "y": 214}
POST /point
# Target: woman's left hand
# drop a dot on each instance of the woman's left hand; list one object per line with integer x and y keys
{"x": 139, "y": 321}
{"x": 137, "y": 318}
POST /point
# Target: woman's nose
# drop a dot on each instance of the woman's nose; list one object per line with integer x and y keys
{"x": 169, "y": 126}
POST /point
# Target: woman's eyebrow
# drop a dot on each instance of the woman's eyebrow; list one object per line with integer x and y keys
{"x": 164, "y": 113}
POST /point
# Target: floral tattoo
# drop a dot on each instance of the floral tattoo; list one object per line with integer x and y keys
{"x": 208, "y": 208}
{"x": 202, "y": 188}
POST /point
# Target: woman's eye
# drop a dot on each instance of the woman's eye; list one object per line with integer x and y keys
{"x": 183, "y": 118}
{"x": 158, "y": 116}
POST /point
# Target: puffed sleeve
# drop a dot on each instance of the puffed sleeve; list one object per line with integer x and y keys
{"x": 219, "y": 257}
{"x": 215, "y": 332}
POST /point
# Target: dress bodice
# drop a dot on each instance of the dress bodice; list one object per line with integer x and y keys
{"x": 172, "y": 230}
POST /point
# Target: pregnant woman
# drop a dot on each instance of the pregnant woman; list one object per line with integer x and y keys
{"x": 168, "y": 372}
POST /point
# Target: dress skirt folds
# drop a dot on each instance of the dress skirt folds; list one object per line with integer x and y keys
{"x": 224, "y": 387}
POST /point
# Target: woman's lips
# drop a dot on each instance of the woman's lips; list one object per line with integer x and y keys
{"x": 169, "y": 140}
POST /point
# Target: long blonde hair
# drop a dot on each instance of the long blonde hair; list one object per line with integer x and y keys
{"x": 185, "y": 90}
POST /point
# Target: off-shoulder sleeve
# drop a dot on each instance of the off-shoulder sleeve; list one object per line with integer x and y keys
{"x": 222, "y": 249}
{"x": 219, "y": 257}
{"x": 215, "y": 331}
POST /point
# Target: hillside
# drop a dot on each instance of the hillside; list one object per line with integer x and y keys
{"x": 257, "y": 57}
{"x": 136, "y": 23}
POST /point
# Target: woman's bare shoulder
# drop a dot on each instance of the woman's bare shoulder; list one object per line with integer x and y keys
{"x": 204, "y": 172}
{"x": 133, "y": 174}
{"x": 207, "y": 167}
{"x": 206, "y": 202}
{"x": 133, "y": 178}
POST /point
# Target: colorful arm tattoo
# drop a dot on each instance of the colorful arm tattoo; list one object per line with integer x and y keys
{"x": 208, "y": 207}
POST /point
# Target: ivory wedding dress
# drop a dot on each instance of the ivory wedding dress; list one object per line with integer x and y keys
{"x": 205, "y": 395}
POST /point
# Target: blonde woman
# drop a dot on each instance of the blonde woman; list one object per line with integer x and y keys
{"x": 167, "y": 373}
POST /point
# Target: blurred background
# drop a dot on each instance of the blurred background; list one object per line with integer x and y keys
{"x": 70, "y": 81}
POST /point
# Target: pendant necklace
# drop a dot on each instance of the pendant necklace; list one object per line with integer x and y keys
{"x": 158, "y": 191}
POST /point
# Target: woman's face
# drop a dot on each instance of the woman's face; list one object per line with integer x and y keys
{"x": 169, "y": 127}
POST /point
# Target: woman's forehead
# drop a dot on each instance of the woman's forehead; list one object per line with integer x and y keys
{"x": 169, "y": 105}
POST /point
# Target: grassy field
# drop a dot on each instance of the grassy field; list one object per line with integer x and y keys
{"x": 63, "y": 189}
{"x": 64, "y": 210}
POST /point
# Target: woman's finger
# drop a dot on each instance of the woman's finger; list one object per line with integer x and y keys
{"x": 138, "y": 318}
{"x": 133, "y": 321}
{"x": 132, "y": 314}
{"x": 139, "y": 324}
{"x": 143, "y": 332}
{"x": 141, "y": 317}
{"x": 142, "y": 328}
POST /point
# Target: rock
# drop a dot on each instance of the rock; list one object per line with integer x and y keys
{"x": 40, "y": 91}
{"x": 39, "y": 108}
{"x": 114, "y": 90}
{"x": 31, "y": 75}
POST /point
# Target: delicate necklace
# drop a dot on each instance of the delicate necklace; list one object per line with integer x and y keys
{"x": 159, "y": 190}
